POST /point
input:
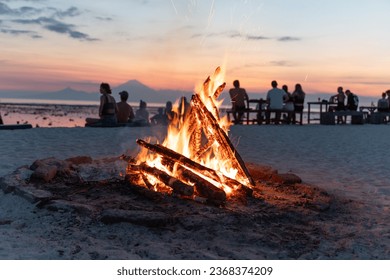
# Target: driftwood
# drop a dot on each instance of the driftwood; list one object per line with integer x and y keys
{"x": 187, "y": 162}
{"x": 227, "y": 148}
{"x": 178, "y": 186}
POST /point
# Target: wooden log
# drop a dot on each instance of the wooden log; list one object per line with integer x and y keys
{"x": 227, "y": 147}
{"x": 203, "y": 187}
{"x": 215, "y": 109}
{"x": 176, "y": 185}
{"x": 219, "y": 90}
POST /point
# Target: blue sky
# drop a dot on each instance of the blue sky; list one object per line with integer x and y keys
{"x": 50, "y": 45}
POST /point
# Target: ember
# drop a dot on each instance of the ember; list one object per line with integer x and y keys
{"x": 197, "y": 158}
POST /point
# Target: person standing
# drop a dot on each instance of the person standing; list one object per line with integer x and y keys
{"x": 239, "y": 97}
{"x": 125, "y": 111}
{"x": 275, "y": 99}
{"x": 340, "y": 99}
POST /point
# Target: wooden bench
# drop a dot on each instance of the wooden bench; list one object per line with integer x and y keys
{"x": 248, "y": 118}
{"x": 380, "y": 117}
{"x": 263, "y": 116}
{"x": 329, "y": 118}
{"x": 258, "y": 116}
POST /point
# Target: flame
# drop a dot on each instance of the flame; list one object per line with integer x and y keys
{"x": 180, "y": 136}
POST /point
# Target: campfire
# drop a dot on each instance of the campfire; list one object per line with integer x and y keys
{"x": 197, "y": 159}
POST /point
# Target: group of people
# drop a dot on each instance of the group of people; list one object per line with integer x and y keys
{"x": 112, "y": 113}
{"x": 339, "y": 98}
{"x": 277, "y": 100}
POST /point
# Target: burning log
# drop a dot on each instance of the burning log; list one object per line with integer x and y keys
{"x": 221, "y": 137}
{"x": 178, "y": 186}
{"x": 187, "y": 162}
{"x": 203, "y": 187}
{"x": 219, "y": 90}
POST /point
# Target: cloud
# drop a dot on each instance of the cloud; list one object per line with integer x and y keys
{"x": 256, "y": 38}
{"x": 19, "y": 32}
{"x": 53, "y": 22}
{"x": 22, "y": 11}
{"x": 288, "y": 39}
{"x": 281, "y": 63}
{"x": 104, "y": 18}
{"x": 71, "y": 12}
{"x": 54, "y": 25}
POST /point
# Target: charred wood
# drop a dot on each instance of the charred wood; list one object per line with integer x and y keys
{"x": 203, "y": 187}
{"x": 220, "y": 136}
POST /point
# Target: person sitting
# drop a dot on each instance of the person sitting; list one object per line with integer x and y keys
{"x": 125, "y": 111}
{"x": 340, "y": 98}
{"x": 171, "y": 115}
{"x": 352, "y": 101}
{"x": 107, "y": 109}
{"x": 141, "y": 115}
{"x": 288, "y": 104}
{"x": 275, "y": 99}
{"x": 383, "y": 104}
{"x": 239, "y": 97}
{"x": 299, "y": 101}
{"x": 160, "y": 118}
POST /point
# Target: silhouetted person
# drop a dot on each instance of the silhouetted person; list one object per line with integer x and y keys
{"x": 275, "y": 99}
{"x": 184, "y": 108}
{"x": 160, "y": 118}
{"x": 107, "y": 109}
{"x": 170, "y": 114}
{"x": 340, "y": 99}
{"x": 383, "y": 104}
{"x": 125, "y": 111}
{"x": 352, "y": 101}
{"x": 299, "y": 100}
{"x": 141, "y": 115}
{"x": 239, "y": 97}
{"x": 288, "y": 104}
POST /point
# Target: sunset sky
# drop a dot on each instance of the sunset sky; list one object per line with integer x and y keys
{"x": 51, "y": 44}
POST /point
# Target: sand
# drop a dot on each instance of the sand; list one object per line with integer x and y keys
{"x": 347, "y": 162}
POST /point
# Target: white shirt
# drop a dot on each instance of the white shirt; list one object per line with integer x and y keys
{"x": 276, "y": 98}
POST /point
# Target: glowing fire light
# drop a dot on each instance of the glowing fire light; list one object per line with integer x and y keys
{"x": 202, "y": 138}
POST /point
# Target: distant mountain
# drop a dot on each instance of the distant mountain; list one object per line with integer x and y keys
{"x": 67, "y": 94}
{"x": 138, "y": 91}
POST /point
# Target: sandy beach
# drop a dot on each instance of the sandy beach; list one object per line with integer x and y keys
{"x": 347, "y": 162}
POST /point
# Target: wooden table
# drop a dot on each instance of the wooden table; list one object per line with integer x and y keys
{"x": 324, "y": 107}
